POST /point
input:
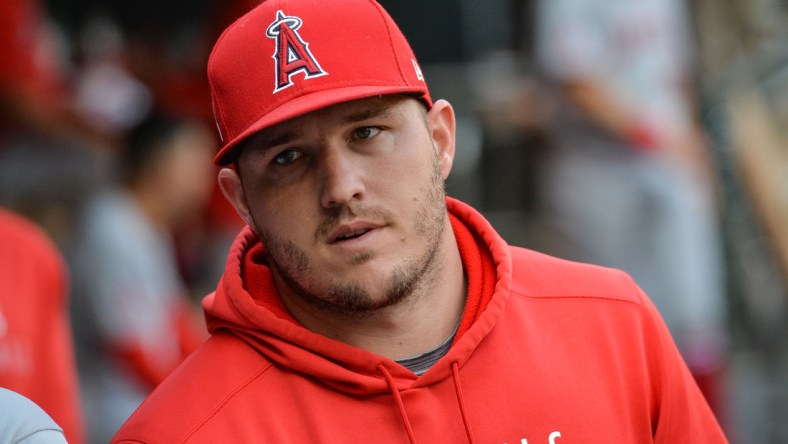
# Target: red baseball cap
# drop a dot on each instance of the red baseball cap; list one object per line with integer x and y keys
{"x": 286, "y": 58}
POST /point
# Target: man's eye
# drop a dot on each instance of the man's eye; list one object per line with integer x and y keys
{"x": 366, "y": 132}
{"x": 287, "y": 157}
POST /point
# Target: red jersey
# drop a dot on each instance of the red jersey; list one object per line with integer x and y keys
{"x": 559, "y": 352}
{"x": 36, "y": 350}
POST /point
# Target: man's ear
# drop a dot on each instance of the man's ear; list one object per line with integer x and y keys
{"x": 442, "y": 125}
{"x": 230, "y": 184}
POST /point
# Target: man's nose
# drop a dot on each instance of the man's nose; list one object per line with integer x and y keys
{"x": 341, "y": 177}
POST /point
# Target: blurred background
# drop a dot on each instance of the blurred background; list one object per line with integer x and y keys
{"x": 650, "y": 136}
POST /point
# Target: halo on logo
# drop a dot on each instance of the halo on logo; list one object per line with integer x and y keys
{"x": 291, "y": 22}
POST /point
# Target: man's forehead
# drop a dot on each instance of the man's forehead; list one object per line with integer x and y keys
{"x": 345, "y": 112}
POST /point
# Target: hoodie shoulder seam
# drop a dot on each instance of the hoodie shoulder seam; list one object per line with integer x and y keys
{"x": 634, "y": 298}
{"x": 553, "y": 297}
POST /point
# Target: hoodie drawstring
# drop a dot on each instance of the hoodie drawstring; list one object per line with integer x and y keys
{"x": 398, "y": 399}
{"x": 455, "y": 370}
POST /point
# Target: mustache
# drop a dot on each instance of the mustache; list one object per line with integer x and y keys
{"x": 346, "y": 213}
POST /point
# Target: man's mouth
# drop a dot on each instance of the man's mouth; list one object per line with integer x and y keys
{"x": 351, "y": 235}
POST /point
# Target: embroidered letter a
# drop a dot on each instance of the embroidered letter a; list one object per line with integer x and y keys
{"x": 292, "y": 53}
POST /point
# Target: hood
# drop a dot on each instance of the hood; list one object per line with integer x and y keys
{"x": 262, "y": 321}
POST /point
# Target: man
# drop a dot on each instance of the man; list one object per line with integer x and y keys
{"x": 134, "y": 320}
{"x": 360, "y": 305}
{"x": 36, "y": 348}
{"x": 628, "y": 180}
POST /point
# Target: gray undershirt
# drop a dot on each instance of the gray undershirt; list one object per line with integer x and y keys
{"x": 423, "y": 362}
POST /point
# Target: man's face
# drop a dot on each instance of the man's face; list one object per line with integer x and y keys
{"x": 349, "y": 200}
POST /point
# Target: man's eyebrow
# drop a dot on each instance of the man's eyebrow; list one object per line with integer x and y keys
{"x": 373, "y": 110}
{"x": 265, "y": 142}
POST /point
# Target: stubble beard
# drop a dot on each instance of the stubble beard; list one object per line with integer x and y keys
{"x": 351, "y": 298}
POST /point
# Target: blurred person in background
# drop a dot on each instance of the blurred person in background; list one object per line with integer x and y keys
{"x": 134, "y": 317}
{"x": 49, "y": 149}
{"x": 166, "y": 53}
{"x": 628, "y": 182}
{"x": 36, "y": 349}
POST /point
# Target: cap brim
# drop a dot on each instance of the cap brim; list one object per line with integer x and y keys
{"x": 309, "y": 103}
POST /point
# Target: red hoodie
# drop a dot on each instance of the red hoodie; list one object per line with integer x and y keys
{"x": 560, "y": 353}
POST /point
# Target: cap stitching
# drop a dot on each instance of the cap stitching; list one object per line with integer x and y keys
{"x": 218, "y": 107}
{"x": 384, "y": 16}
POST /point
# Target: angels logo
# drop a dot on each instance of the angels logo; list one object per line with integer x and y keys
{"x": 292, "y": 54}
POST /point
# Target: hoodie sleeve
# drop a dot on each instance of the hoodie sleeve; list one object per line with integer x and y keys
{"x": 680, "y": 411}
